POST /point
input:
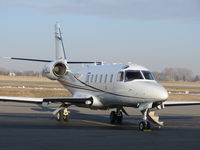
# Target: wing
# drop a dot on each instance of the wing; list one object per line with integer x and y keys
{"x": 70, "y": 100}
{"x": 181, "y": 103}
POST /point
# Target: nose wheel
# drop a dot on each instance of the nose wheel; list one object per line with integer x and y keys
{"x": 144, "y": 125}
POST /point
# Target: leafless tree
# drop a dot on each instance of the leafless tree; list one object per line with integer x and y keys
{"x": 174, "y": 74}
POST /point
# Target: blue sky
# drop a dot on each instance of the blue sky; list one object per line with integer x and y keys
{"x": 153, "y": 33}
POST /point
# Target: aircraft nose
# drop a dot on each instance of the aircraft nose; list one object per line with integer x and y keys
{"x": 162, "y": 94}
{"x": 157, "y": 92}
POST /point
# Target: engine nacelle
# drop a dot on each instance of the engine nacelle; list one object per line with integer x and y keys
{"x": 96, "y": 103}
{"x": 55, "y": 70}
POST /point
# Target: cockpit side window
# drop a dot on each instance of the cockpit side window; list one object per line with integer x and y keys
{"x": 133, "y": 75}
{"x": 120, "y": 76}
{"x": 148, "y": 75}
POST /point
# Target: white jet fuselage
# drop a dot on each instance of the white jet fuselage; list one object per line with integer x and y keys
{"x": 114, "y": 85}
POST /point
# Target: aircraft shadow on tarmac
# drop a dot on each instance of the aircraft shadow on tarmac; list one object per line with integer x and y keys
{"x": 42, "y": 109}
{"x": 80, "y": 120}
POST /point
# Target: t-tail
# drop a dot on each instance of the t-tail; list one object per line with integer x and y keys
{"x": 55, "y": 69}
{"x": 60, "y": 49}
{"x": 60, "y": 53}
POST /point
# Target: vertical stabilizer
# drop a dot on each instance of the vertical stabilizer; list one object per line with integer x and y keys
{"x": 60, "y": 50}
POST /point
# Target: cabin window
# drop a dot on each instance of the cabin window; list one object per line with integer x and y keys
{"x": 88, "y": 77}
{"x": 96, "y": 77}
{"x": 111, "y": 78}
{"x": 120, "y": 76}
{"x": 133, "y": 75}
{"x": 92, "y": 77}
{"x": 105, "y": 80}
{"x": 100, "y": 79}
{"x": 148, "y": 75}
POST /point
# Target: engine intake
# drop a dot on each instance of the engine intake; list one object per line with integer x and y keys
{"x": 55, "y": 70}
{"x": 59, "y": 69}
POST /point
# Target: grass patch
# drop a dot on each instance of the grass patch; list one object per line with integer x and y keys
{"x": 33, "y": 93}
{"x": 183, "y": 97}
{"x": 44, "y": 82}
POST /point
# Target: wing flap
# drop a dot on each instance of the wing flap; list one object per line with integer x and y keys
{"x": 71, "y": 100}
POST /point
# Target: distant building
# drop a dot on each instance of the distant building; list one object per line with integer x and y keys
{"x": 12, "y": 74}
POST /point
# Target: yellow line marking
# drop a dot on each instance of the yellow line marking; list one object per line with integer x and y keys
{"x": 99, "y": 123}
{"x": 147, "y": 130}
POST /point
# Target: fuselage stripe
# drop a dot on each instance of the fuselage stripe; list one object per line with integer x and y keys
{"x": 93, "y": 89}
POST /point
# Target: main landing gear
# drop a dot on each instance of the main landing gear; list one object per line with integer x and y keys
{"x": 63, "y": 115}
{"x": 116, "y": 116}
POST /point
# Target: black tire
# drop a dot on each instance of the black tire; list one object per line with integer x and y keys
{"x": 148, "y": 125}
{"x": 112, "y": 117}
{"x": 65, "y": 118}
{"x": 59, "y": 115}
{"x": 119, "y": 118}
{"x": 142, "y": 126}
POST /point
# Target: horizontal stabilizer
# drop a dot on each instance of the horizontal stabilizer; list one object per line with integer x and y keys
{"x": 84, "y": 62}
{"x": 29, "y": 59}
{"x": 46, "y": 60}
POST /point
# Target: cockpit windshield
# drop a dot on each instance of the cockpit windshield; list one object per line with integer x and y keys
{"x": 137, "y": 75}
{"x": 133, "y": 75}
{"x": 148, "y": 75}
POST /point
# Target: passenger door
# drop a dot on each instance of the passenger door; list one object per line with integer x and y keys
{"x": 118, "y": 81}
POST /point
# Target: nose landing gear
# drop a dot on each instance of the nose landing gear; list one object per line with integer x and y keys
{"x": 144, "y": 125}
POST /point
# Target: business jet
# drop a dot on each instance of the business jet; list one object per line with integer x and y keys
{"x": 102, "y": 86}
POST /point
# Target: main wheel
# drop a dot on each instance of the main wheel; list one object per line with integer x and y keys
{"x": 119, "y": 118}
{"x": 59, "y": 115}
{"x": 66, "y": 118}
{"x": 112, "y": 117}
